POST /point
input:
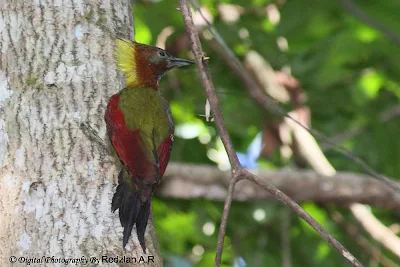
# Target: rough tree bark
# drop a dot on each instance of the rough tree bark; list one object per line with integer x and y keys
{"x": 56, "y": 72}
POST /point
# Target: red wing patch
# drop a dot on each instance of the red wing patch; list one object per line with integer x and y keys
{"x": 164, "y": 152}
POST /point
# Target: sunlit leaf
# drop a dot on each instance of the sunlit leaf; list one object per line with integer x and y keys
{"x": 142, "y": 32}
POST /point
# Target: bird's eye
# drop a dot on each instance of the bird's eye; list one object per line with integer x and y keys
{"x": 161, "y": 53}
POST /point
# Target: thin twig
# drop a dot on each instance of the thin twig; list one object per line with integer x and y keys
{"x": 237, "y": 170}
{"x": 285, "y": 238}
{"x": 386, "y": 116}
{"x": 305, "y": 216}
{"x": 355, "y": 11}
{"x": 224, "y": 221}
{"x": 268, "y": 103}
{"x": 354, "y": 232}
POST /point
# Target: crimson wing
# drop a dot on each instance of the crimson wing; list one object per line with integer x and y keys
{"x": 128, "y": 145}
{"x": 164, "y": 152}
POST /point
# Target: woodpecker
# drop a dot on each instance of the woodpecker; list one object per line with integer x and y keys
{"x": 141, "y": 131}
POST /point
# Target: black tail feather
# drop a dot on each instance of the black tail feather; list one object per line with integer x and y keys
{"x": 129, "y": 211}
{"x": 132, "y": 210}
{"x": 119, "y": 194}
{"x": 141, "y": 223}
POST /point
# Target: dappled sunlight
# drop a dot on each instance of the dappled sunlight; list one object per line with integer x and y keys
{"x": 208, "y": 228}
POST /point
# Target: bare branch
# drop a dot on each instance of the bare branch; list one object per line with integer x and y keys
{"x": 190, "y": 181}
{"x": 220, "y": 123}
{"x": 208, "y": 85}
{"x": 306, "y": 217}
{"x": 353, "y": 231}
{"x": 311, "y": 152}
{"x": 318, "y": 160}
{"x": 237, "y": 171}
{"x": 269, "y": 104}
{"x": 224, "y": 220}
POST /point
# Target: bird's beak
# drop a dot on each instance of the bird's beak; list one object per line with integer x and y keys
{"x": 178, "y": 62}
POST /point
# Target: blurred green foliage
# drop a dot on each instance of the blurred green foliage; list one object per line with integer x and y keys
{"x": 351, "y": 74}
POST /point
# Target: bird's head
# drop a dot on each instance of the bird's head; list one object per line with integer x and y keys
{"x": 144, "y": 65}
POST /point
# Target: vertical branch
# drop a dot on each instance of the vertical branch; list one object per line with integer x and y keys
{"x": 208, "y": 85}
{"x": 220, "y": 123}
{"x": 224, "y": 221}
{"x": 285, "y": 238}
{"x": 238, "y": 172}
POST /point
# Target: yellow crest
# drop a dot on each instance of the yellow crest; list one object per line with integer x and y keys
{"x": 125, "y": 56}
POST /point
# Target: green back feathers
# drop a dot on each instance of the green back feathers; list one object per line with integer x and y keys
{"x": 126, "y": 60}
{"x": 146, "y": 110}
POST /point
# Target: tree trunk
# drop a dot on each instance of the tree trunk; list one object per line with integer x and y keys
{"x": 56, "y": 72}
